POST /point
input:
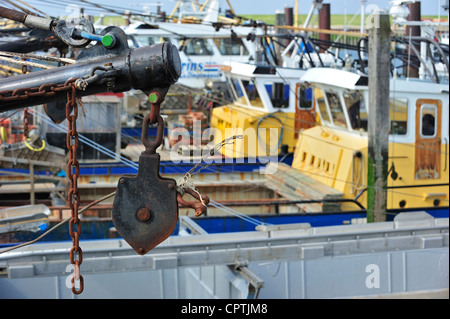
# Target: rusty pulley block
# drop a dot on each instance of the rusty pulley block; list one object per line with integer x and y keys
{"x": 145, "y": 209}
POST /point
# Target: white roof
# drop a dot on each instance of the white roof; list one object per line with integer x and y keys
{"x": 250, "y": 70}
{"x": 185, "y": 29}
{"x": 334, "y": 77}
{"x": 349, "y": 80}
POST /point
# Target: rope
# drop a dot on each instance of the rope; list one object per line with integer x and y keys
{"x": 37, "y": 57}
{"x": 234, "y": 212}
{"x": 35, "y": 149}
{"x": 27, "y": 63}
{"x": 89, "y": 142}
{"x": 186, "y": 182}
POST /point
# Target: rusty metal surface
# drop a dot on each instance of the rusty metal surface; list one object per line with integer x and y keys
{"x": 73, "y": 196}
{"x": 199, "y": 206}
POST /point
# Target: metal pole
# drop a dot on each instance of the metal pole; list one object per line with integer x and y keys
{"x": 324, "y": 23}
{"x": 288, "y": 16}
{"x": 413, "y": 31}
{"x": 363, "y": 11}
{"x": 378, "y": 126}
{"x": 288, "y": 20}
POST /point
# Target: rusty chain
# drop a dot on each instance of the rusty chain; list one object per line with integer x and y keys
{"x": 73, "y": 170}
{"x": 73, "y": 197}
{"x": 25, "y": 111}
{"x": 45, "y": 90}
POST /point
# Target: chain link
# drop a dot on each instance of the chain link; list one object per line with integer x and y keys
{"x": 45, "y": 90}
{"x": 25, "y": 123}
{"x": 24, "y": 67}
{"x": 73, "y": 196}
{"x": 25, "y": 111}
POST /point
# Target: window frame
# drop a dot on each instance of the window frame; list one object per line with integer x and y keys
{"x": 299, "y": 89}
{"x": 218, "y": 41}
{"x": 207, "y": 46}
{"x": 435, "y": 110}
{"x": 343, "y": 111}
{"x": 406, "y": 116}
{"x": 270, "y": 94}
{"x": 330, "y": 119}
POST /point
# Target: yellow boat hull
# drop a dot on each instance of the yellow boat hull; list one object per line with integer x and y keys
{"x": 339, "y": 160}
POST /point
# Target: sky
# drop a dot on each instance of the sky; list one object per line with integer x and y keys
{"x": 241, "y": 7}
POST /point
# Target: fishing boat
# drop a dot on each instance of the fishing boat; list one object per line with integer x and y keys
{"x": 327, "y": 124}
{"x": 334, "y": 151}
{"x": 264, "y": 110}
{"x": 204, "y": 44}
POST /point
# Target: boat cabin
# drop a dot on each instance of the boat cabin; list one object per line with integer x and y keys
{"x": 263, "y": 98}
{"x": 335, "y": 151}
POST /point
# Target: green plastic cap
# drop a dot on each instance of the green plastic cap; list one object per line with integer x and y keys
{"x": 108, "y": 41}
{"x": 153, "y": 97}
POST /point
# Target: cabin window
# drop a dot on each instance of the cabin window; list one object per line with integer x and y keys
{"x": 238, "y": 89}
{"x": 252, "y": 93}
{"x": 229, "y": 46}
{"x": 144, "y": 40}
{"x": 278, "y": 93}
{"x": 398, "y": 115}
{"x": 304, "y": 97}
{"x": 336, "y": 109}
{"x": 320, "y": 99}
{"x": 356, "y": 109}
{"x": 428, "y": 120}
{"x": 196, "y": 47}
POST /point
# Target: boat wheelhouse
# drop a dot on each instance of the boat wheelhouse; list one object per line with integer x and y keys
{"x": 263, "y": 110}
{"x": 334, "y": 152}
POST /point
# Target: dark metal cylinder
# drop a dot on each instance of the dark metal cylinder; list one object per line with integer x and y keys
{"x": 324, "y": 22}
{"x": 143, "y": 68}
{"x": 414, "y": 31}
{"x": 288, "y": 16}
{"x": 12, "y": 14}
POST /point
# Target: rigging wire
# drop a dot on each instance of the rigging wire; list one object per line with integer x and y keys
{"x": 58, "y": 225}
{"x": 134, "y": 165}
{"x": 37, "y": 57}
{"x": 88, "y": 142}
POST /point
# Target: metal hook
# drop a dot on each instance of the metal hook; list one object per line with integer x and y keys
{"x": 150, "y": 147}
{"x": 199, "y": 208}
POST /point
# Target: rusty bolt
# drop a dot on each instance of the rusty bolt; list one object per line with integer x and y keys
{"x": 143, "y": 214}
{"x": 171, "y": 186}
{"x": 198, "y": 212}
{"x": 141, "y": 251}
